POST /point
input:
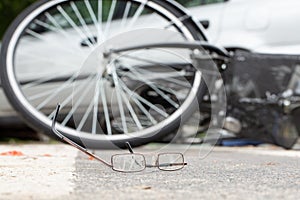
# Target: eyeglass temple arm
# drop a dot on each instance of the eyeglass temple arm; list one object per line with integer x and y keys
{"x": 129, "y": 147}
{"x": 166, "y": 165}
{"x": 62, "y": 137}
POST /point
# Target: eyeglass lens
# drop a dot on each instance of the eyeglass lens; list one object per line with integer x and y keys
{"x": 170, "y": 161}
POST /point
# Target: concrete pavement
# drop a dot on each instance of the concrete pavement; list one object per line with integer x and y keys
{"x": 61, "y": 172}
{"x": 42, "y": 172}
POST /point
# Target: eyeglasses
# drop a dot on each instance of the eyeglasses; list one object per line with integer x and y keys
{"x": 128, "y": 162}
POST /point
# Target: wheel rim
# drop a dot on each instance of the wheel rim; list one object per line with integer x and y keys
{"x": 12, "y": 58}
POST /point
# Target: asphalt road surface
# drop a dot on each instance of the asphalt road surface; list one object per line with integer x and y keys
{"x": 61, "y": 172}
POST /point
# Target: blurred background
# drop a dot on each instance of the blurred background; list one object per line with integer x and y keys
{"x": 9, "y": 9}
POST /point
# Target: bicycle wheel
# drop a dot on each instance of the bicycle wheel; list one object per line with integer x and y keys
{"x": 46, "y": 46}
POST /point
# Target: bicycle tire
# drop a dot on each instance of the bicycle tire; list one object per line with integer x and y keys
{"x": 39, "y": 120}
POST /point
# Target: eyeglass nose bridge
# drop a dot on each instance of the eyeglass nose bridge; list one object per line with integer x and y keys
{"x": 153, "y": 161}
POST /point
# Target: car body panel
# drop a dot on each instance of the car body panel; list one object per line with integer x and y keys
{"x": 265, "y": 26}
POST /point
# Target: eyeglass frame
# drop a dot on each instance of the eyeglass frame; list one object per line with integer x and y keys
{"x": 84, "y": 150}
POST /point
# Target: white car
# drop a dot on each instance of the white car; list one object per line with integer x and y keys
{"x": 266, "y": 26}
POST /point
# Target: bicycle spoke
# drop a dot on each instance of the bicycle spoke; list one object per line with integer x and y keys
{"x": 97, "y": 24}
{"x": 137, "y": 14}
{"x": 77, "y": 104}
{"x": 43, "y": 94}
{"x": 120, "y": 103}
{"x": 138, "y": 103}
{"x": 96, "y": 101}
{"x": 75, "y": 27}
{"x": 69, "y": 99}
{"x": 105, "y": 108}
{"x": 40, "y": 75}
{"x": 41, "y": 37}
{"x": 169, "y": 90}
{"x": 57, "y": 30}
{"x": 150, "y": 84}
{"x": 62, "y": 31}
{"x": 170, "y": 78}
{"x": 41, "y": 80}
{"x": 125, "y": 15}
{"x": 85, "y": 116}
{"x": 185, "y": 84}
{"x": 30, "y": 59}
{"x": 149, "y": 75}
{"x": 182, "y": 83}
{"x": 56, "y": 24}
{"x": 145, "y": 60}
{"x": 58, "y": 90}
{"x": 110, "y": 16}
{"x": 82, "y": 22}
{"x": 133, "y": 114}
{"x": 100, "y": 6}
{"x": 79, "y": 89}
{"x": 45, "y": 25}
{"x": 143, "y": 100}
